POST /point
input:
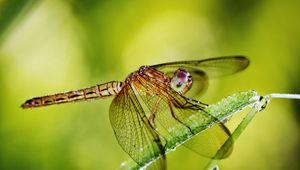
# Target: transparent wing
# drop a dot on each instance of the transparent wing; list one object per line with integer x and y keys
{"x": 212, "y": 67}
{"x": 208, "y": 142}
{"x": 175, "y": 116}
{"x": 133, "y": 131}
{"x": 202, "y": 70}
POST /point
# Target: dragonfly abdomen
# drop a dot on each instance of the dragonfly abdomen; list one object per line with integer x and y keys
{"x": 93, "y": 92}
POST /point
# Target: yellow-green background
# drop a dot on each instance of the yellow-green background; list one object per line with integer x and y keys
{"x": 52, "y": 46}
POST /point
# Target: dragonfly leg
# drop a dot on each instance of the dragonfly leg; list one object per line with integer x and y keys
{"x": 153, "y": 113}
{"x": 175, "y": 117}
{"x": 151, "y": 119}
{"x": 194, "y": 104}
{"x": 225, "y": 120}
{"x": 196, "y": 101}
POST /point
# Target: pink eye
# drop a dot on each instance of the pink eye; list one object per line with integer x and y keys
{"x": 181, "y": 81}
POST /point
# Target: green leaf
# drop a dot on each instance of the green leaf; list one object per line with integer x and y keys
{"x": 221, "y": 110}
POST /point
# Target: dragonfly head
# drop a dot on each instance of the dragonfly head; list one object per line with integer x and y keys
{"x": 181, "y": 81}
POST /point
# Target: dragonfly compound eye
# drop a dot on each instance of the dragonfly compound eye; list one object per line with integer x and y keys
{"x": 181, "y": 81}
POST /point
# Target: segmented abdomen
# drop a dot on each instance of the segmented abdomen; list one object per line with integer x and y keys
{"x": 94, "y": 92}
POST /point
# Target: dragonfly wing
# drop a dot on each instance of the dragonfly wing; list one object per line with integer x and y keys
{"x": 176, "y": 115}
{"x": 209, "y": 138}
{"x": 212, "y": 67}
{"x": 208, "y": 142}
{"x": 133, "y": 131}
{"x": 202, "y": 70}
{"x": 159, "y": 164}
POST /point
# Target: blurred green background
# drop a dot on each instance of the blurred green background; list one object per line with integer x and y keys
{"x": 52, "y": 46}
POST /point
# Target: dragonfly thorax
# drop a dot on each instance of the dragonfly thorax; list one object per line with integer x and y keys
{"x": 149, "y": 74}
{"x": 143, "y": 68}
{"x": 133, "y": 75}
{"x": 181, "y": 81}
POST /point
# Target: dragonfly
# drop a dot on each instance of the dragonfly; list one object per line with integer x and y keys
{"x": 152, "y": 101}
